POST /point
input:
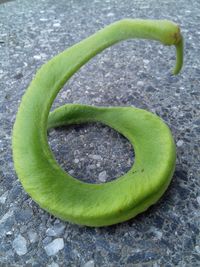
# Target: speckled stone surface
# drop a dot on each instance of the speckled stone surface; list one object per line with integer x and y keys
{"x": 132, "y": 73}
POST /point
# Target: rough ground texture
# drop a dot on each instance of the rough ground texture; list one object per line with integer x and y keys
{"x": 133, "y": 73}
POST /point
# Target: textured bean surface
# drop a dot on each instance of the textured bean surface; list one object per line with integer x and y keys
{"x": 131, "y": 73}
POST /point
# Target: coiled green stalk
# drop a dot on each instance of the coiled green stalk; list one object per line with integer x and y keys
{"x": 41, "y": 176}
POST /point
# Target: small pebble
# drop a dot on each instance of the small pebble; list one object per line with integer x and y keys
{"x": 140, "y": 83}
{"x": 33, "y": 236}
{"x": 56, "y": 230}
{"x": 53, "y": 264}
{"x": 198, "y": 200}
{"x": 6, "y": 216}
{"x": 110, "y": 14}
{"x": 158, "y": 234}
{"x": 3, "y": 197}
{"x": 146, "y": 61}
{"x": 56, "y": 25}
{"x": 95, "y": 157}
{"x": 55, "y": 246}
{"x": 179, "y": 143}
{"x": 102, "y": 176}
{"x": 89, "y": 264}
{"x": 43, "y": 19}
{"x": 37, "y": 57}
{"x": 197, "y": 248}
{"x": 19, "y": 245}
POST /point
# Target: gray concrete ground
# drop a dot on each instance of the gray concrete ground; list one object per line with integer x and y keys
{"x": 133, "y": 73}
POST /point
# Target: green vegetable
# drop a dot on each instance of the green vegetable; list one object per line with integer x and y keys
{"x": 47, "y": 183}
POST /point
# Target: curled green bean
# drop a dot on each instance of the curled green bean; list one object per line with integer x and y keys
{"x": 41, "y": 176}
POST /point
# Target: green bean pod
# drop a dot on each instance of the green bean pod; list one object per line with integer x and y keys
{"x": 47, "y": 183}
